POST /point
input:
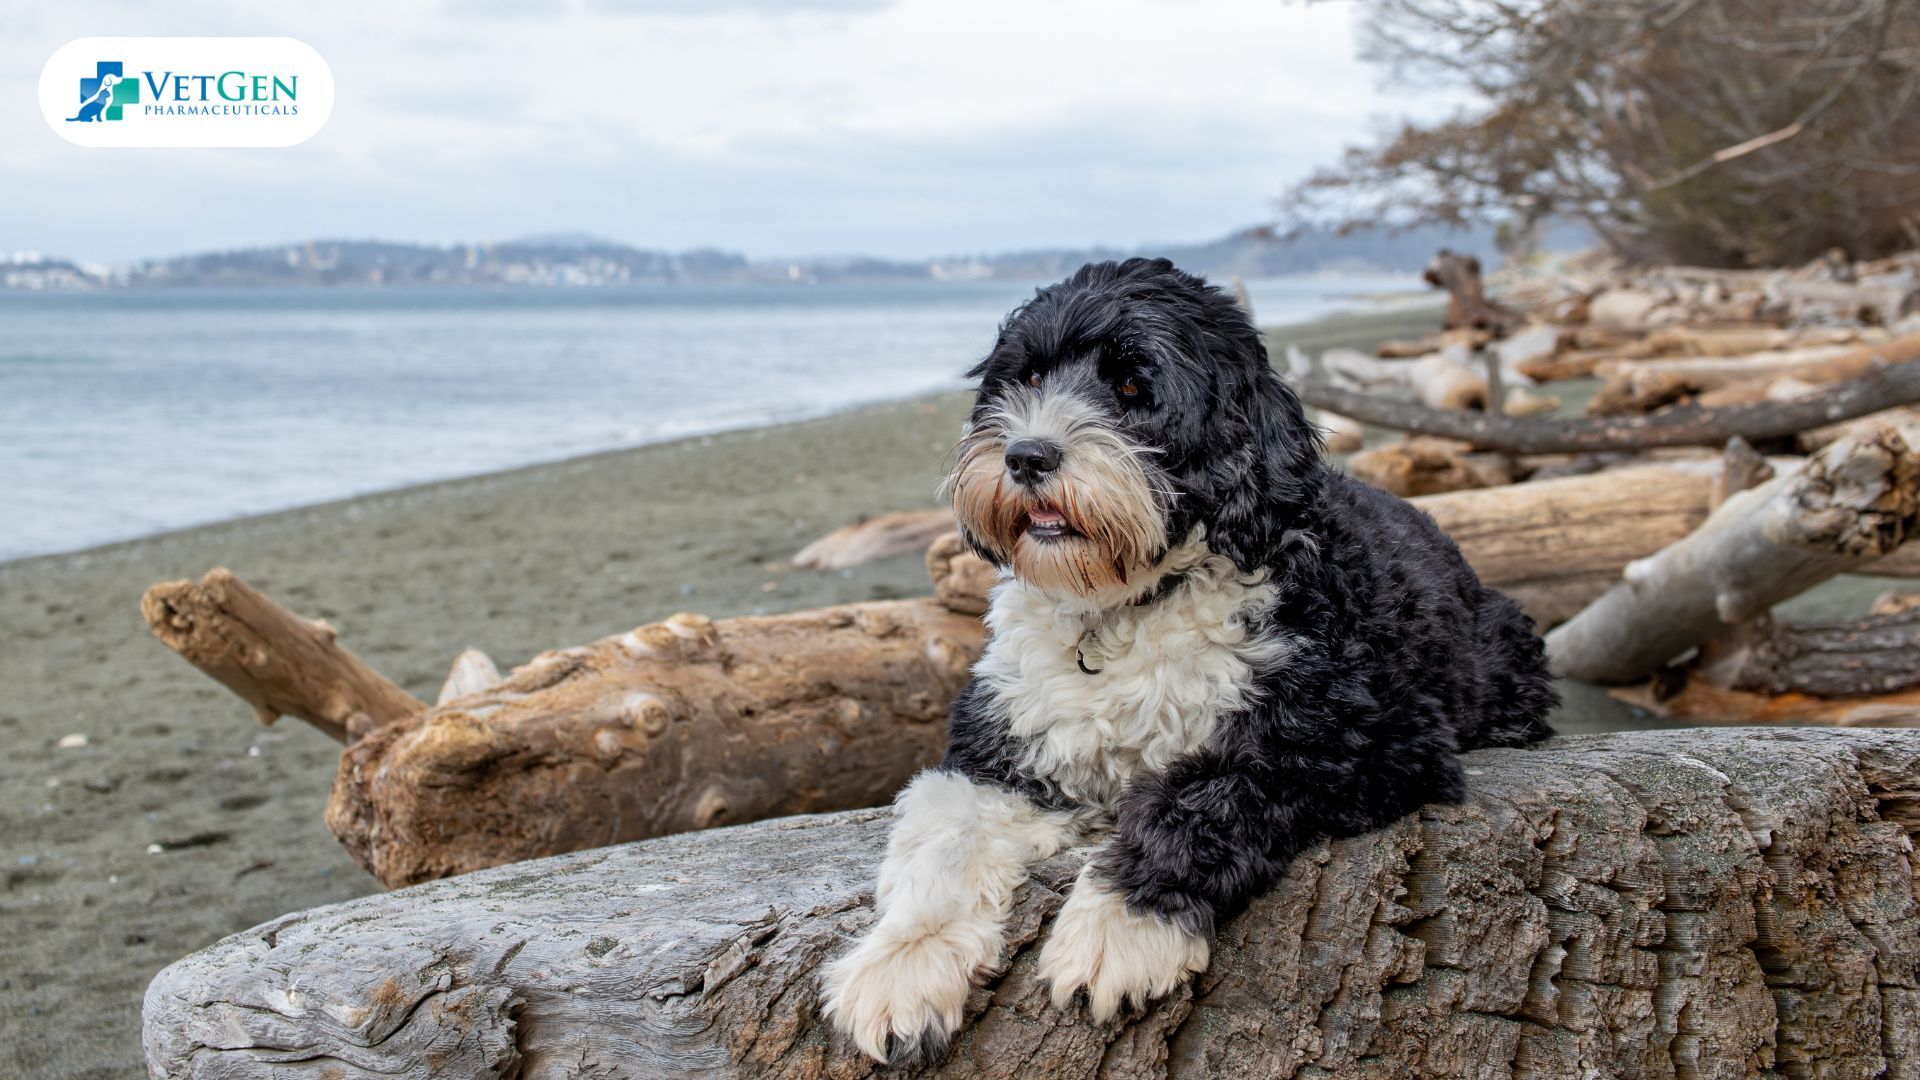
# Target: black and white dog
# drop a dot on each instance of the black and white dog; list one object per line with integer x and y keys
{"x": 1207, "y": 646}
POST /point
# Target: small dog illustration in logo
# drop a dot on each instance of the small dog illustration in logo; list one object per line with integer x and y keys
{"x": 105, "y": 94}
{"x": 92, "y": 108}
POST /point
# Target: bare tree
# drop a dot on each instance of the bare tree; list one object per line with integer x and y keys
{"x": 1719, "y": 132}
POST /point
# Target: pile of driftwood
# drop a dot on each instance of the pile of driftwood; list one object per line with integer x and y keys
{"x": 1800, "y": 385}
{"x": 1594, "y": 907}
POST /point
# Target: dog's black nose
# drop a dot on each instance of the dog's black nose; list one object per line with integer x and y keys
{"x": 1030, "y": 460}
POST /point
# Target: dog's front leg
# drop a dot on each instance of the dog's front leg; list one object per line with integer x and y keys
{"x": 1194, "y": 844}
{"x": 957, "y": 852}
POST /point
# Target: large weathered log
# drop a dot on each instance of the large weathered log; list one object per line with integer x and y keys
{"x": 683, "y": 724}
{"x": 1679, "y": 426}
{"x": 1852, "y": 503}
{"x": 1707, "y": 903}
{"x": 1555, "y": 545}
{"x": 280, "y": 663}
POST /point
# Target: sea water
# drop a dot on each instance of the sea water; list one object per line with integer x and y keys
{"x": 129, "y": 412}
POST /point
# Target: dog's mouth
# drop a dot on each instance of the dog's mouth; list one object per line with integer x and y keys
{"x": 1044, "y": 522}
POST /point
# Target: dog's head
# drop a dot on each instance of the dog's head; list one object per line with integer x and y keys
{"x": 1119, "y": 409}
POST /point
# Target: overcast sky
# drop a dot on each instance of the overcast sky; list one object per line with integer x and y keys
{"x": 818, "y": 126}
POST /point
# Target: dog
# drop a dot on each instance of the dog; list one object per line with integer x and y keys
{"x": 1207, "y": 648}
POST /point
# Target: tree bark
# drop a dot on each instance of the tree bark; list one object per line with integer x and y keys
{"x": 280, "y": 663}
{"x": 683, "y": 724}
{"x": 1679, "y": 426}
{"x": 1704, "y": 903}
{"x": 1852, "y": 503}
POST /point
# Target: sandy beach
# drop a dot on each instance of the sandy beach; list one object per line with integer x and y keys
{"x": 145, "y": 814}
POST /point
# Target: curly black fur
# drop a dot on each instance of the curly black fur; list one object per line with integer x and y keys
{"x": 1401, "y": 658}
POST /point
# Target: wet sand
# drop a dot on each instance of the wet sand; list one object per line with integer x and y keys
{"x": 181, "y": 820}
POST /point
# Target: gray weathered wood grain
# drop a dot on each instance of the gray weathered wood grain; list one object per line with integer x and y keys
{"x": 1712, "y": 903}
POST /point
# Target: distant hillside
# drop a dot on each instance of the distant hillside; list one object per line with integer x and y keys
{"x": 1255, "y": 253}
{"x": 571, "y": 259}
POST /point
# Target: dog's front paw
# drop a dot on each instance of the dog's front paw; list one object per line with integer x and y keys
{"x": 912, "y": 989}
{"x": 1117, "y": 955}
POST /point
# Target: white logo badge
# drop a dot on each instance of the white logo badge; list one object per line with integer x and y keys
{"x": 186, "y": 91}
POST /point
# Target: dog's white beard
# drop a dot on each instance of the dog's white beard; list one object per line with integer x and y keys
{"x": 957, "y": 852}
{"x": 1102, "y": 488}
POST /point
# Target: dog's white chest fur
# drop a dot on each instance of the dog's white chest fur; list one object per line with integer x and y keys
{"x": 1167, "y": 672}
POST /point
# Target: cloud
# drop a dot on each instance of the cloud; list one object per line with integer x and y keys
{"x": 905, "y": 128}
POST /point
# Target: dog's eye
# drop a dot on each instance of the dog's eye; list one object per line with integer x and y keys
{"x": 1033, "y": 379}
{"x": 1129, "y": 388}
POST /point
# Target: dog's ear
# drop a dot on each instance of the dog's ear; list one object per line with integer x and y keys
{"x": 1275, "y": 472}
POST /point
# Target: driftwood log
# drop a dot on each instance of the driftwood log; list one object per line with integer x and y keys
{"x": 1635, "y": 386}
{"x": 1879, "y": 654}
{"x": 1850, "y": 364}
{"x": 278, "y": 662}
{"x": 1426, "y": 466}
{"x": 1643, "y": 385}
{"x": 1700, "y": 701}
{"x": 1590, "y": 356}
{"x": 1852, "y": 503}
{"x": 1705, "y": 903}
{"x": 1467, "y": 303}
{"x": 1441, "y": 380}
{"x": 875, "y": 538}
{"x": 1678, "y": 426}
{"x": 683, "y": 724}
{"x": 1342, "y": 436}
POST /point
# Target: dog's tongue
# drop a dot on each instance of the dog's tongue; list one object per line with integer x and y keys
{"x": 1046, "y": 517}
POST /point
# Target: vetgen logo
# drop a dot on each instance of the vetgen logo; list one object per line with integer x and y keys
{"x": 186, "y": 92}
